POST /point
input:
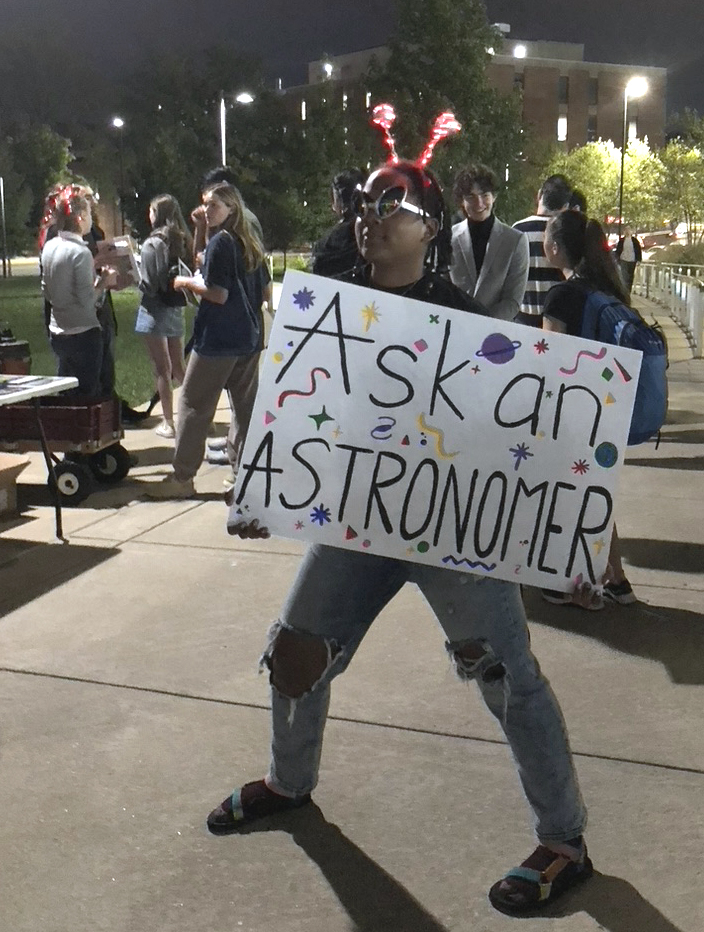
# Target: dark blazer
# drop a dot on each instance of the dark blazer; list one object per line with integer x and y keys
{"x": 502, "y": 279}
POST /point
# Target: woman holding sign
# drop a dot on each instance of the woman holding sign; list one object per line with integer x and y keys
{"x": 579, "y": 248}
{"x": 403, "y": 233}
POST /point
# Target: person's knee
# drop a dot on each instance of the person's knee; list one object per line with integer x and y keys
{"x": 476, "y": 660}
{"x": 297, "y": 661}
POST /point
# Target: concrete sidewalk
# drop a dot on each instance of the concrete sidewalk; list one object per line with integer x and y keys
{"x": 131, "y": 705}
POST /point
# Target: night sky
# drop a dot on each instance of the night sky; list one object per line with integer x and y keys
{"x": 289, "y": 33}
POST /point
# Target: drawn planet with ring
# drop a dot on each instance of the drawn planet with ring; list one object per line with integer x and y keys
{"x": 606, "y": 455}
{"x": 497, "y": 348}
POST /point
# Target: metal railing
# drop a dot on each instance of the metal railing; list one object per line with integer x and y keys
{"x": 679, "y": 289}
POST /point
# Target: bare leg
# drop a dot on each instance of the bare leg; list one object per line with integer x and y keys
{"x": 159, "y": 352}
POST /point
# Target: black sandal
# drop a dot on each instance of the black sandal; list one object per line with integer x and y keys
{"x": 251, "y": 802}
{"x": 541, "y": 879}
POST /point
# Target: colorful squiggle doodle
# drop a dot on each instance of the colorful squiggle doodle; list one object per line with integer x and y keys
{"x": 584, "y": 352}
{"x": 301, "y": 394}
{"x": 440, "y": 438}
{"x": 472, "y": 564}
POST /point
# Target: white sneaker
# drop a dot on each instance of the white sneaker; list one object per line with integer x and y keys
{"x": 165, "y": 430}
{"x": 171, "y": 487}
{"x": 217, "y": 443}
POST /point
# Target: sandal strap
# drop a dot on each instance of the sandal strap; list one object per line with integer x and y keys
{"x": 532, "y": 876}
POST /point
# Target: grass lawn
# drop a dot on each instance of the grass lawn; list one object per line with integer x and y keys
{"x": 22, "y": 308}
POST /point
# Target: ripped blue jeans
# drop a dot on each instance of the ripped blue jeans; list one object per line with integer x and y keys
{"x": 333, "y": 602}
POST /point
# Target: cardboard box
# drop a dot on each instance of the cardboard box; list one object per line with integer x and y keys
{"x": 11, "y": 465}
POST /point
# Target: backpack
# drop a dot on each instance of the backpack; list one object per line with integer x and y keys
{"x": 608, "y": 320}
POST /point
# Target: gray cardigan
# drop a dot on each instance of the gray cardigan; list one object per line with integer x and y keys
{"x": 154, "y": 276}
{"x": 67, "y": 283}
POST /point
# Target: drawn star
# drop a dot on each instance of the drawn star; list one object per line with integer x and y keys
{"x": 304, "y": 299}
{"x": 320, "y": 515}
{"x": 371, "y": 315}
{"x": 434, "y": 318}
{"x": 476, "y": 369}
{"x": 336, "y": 433}
{"x": 541, "y": 347}
{"x": 410, "y": 551}
{"x": 548, "y": 394}
{"x": 299, "y": 525}
{"x": 321, "y": 418}
{"x": 580, "y": 467}
{"x": 520, "y": 452}
{"x": 599, "y": 545}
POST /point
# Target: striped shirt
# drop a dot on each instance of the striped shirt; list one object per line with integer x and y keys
{"x": 541, "y": 275}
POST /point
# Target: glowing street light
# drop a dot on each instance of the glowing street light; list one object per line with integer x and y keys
{"x": 244, "y": 97}
{"x": 636, "y": 87}
{"x": 119, "y": 124}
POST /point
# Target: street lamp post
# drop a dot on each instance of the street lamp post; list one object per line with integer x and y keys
{"x": 636, "y": 87}
{"x": 242, "y": 98}
{"x": 119, "y": 124}
{"x": 6, "y": 267}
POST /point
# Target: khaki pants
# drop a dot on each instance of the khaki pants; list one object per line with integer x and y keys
{"x": 206, "y": 377}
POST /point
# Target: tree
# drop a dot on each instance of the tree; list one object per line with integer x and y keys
{"x": 594, "y": 170}
{"x": 438, "y": 62}
{"x": 683, "y": 188}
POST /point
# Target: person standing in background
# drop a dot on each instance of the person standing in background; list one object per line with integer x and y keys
{"x": 553, "y": 196}
{"x": 629, "y": 253}
{"x": 336, "y": 251}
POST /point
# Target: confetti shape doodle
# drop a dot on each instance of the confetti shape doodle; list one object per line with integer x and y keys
{"x": 320, "y": 515}
{"x": 606, "y": 455}
{"x": 607, "y": 374}
{"x": 269, "y": 417}
{"x": 472, "y": 564}
{"x": 298, "y": 393}
{"x": 521, "y": 452}
{"x": 580, "y": 467}
{"x": 497, "y": 348}
{"x": 625, "y": 375}
{"x": 299, "y": 525}
{"x": 406, "y": 441}
{"x": 587, "y": 354}
{"x": 382, "y": 431}
{"x": 304, "y": 299}
{"x": 609, "y": 400}
{"x": 371, "y": 315}
{"x": 599, "y": 545}
{"x": 350, "y": 533}
{"x": 366, "y": 543}
{"x": 542, "y": 346}
{"x": 321, "y": 418}
{"x": 421, "y": 346}
{"x": 434, "y": 319}
{"x": 439, "y": 438}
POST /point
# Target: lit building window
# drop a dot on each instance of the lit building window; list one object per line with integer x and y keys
{"x": 328, "y": 69}
{"x": 562, "y": 129}
{"x": 303, "y": 110}
{"x": 344, "y": 101}
{"x": 368, "y": 100}
{"x": 520, "y": 51}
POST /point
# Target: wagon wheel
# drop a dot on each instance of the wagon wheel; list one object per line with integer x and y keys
{"x": 73, "y": 481}
{"x": 111, "y": 464}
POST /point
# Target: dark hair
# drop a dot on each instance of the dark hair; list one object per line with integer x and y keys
{"x": 217, "y": 176}
{"x": 478, "y": 174}
{"x": 577, "y": 201}
{"x": 345, "y": 184}
{"x": 587, "y": 249}
{"x": 170, "y": 226}
{"x": 423, "y": 184}
{"x": 555, "y": 192}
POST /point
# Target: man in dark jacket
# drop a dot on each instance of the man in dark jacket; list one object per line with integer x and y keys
{"x": 628, "y": 252}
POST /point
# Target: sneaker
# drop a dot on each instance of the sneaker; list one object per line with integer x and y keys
{"x": 230, "y": 480}
{"x": 217, "y": 443}
{"x": 253, "y": 801}
{"x": 217, "y": 457}
{"x": 565, "y": 598}
{"x": 171, "y": 487}
{"x": 620, "y": 592}
{"x": 165, "y": 430}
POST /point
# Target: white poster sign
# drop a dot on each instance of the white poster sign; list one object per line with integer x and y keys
{"x": 405, "y": 429}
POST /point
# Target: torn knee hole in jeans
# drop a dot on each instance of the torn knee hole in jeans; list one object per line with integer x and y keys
{"x": 476, "y": 660}
{"x": 297, "y": 660}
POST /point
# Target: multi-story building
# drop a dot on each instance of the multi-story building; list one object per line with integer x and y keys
{"x": 565, "y": 98}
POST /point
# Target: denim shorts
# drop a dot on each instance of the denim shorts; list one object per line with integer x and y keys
{"x": 164, "y": 322}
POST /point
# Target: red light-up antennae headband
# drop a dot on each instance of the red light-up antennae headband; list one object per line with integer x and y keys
{"x": 383, "y": 116}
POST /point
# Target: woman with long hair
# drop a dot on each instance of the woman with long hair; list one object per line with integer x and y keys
{"x": 160, "y": 313}
{"x": 403, "y": 233}
{"x": 72, "y": 290}
{"x": 579, "y": 248}
{"x": 227, "y": 338}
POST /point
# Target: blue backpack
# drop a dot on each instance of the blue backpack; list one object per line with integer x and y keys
{"x": 608, "y": 320}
